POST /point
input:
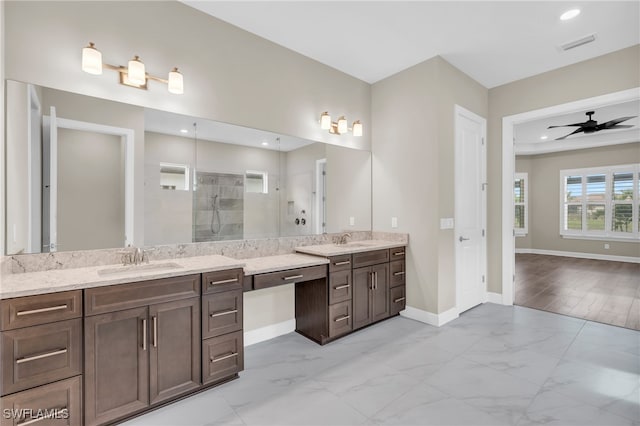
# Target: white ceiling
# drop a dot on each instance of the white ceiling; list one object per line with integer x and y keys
{"x": 494, "y": 42}
{"x": 170, "y": 124}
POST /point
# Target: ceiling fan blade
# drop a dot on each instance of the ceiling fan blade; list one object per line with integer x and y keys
{"x": 610, "y": 124}
{"x": 567, "y": 125}
{"x": 572, "y": 133}
{"x": 620, "y": 126}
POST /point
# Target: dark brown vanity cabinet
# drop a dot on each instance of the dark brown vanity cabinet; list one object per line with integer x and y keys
{"x": 142, "y": 355}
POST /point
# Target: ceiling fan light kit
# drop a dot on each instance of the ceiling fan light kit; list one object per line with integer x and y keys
{"x": 592, "y": 126}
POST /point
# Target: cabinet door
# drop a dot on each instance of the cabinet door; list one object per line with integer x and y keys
{"x": 174, "y": 348}
{"x": 380, "y": 292}
{"x": 116, "y": 365}
{"x": 361, "y": 297}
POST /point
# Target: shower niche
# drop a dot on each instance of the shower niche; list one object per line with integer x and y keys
{"x": 218, "y": 207}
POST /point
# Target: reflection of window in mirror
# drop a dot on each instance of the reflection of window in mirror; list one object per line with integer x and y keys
{"x": 174, "y": 176}
{"x": 256, "y": 182}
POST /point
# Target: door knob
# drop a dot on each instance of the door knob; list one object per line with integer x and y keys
{"x": 463, "y": 239}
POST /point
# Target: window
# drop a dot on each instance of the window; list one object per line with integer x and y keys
{"x": 256, "y": 182}
{"x": 174, "y": 176}
{"x": 521, "y": 198}
{"x": 600, "y": 202}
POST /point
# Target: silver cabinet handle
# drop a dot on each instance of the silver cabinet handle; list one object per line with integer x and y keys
{"x": 222, "y": 358}
{"x": 375, "y": 275}
{"x": 342, "y": 318}
{"x": 372, "y": 282}
{"x": 463, "y": 238}
{"x": 398, "y": 273}
{"x": 44, "y": 416}
{"x": 340, "y": 287}
{"x": 398, "y": 253}
{"x": 344, "y": 262}
{"x": 221, "y": 313}
{"x": 399, "y": 299}
{"x": 144, "y": 334}
{"x": 39, "y": 311}
{"x": 293, "y": 277}
{"x": 230, "y": 280}
{"x": 45, "y": 355}
{"x": 155, "y": 331}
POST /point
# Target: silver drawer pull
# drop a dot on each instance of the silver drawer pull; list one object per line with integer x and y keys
{"x": 398, "y": 253}
{"x": 344, "y": 262}
{"x": 219, "y": 314}
{"x": 340, "y": 287}
{"x": 293, "y": 277}
{"x": 46, "y": 355}
{"x": 342, "y": 318}
{"x": 222, "y": 358}
{"x": 398, "y": 273}
{"x": 39, "y": 311}
{"x": 45, "y": 416}
{"x": 231, "y": 280}
{"x": 399, "y": 299}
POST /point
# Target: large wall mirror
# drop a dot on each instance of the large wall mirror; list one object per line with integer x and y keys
{"x": 87, "y": 173}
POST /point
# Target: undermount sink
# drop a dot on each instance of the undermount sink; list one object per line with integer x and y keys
{"x": 145, "y": 267}
{"x": 355, "y": 244}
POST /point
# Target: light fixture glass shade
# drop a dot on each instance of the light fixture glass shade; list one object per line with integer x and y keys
{"x": 357, "y": 128}
{"x": 91, "y": 60}
{"x": 342, "y": 125}
{"x": 175, "y": 82}
{"x": 325, "y": 121}
{"x": 136, "y": 72}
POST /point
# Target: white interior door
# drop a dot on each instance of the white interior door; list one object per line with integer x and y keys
{"x": 470, "y": 209}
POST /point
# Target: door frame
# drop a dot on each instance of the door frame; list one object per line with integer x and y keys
{"x": 127, "y": 137}
{"x": 508, "y": 172}
{"x": 463, "y": 112}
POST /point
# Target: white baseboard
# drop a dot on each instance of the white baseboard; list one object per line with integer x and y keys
{"x": 269, "y": 332}
{"x": 494, "y": 298}
{"x": 428, "y": 317}
{"x": 579, "y": 255}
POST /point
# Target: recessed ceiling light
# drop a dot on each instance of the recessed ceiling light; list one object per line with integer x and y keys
{"x": 265, "y": 143}
{"x": 184, "y": 131}
{"x": 544, "y": 137}
{"x": 569, "y": 14}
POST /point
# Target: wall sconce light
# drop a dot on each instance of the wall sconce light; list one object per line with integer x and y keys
{"x": 134, "y": 74}
{"x": 339, "y": 127}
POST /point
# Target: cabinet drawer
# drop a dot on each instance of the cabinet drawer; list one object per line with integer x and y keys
{"x": 218, "y": 281}
{"x": 340, "y": 318}
{"x": 397, "y": 253}
{"x": 340, "y": 263}
{"x": 290, "y": 276}
{"x": 221, "y": 313}
{"x": 125, "y": 296}
{"x": 56, "y": 404}
{"x": 397, "y": 299}
{"x": 339, "y": 286}
{"x": 369, "y": 258}
{"x": 222, "y": 357}
{"x": 40, "y": 309}
{"x": 397, "y": 274}
{"x": 40, "y": 354}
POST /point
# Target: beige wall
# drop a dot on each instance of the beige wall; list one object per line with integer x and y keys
{"x": 230, "y": 75}
{"x": 598, "y": 76}
{"x": 544, "y": 197}
{"x": 413, "y": 166}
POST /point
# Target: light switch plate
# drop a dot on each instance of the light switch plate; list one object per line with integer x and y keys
{"x": 446, "y": 223}
{"x": 394, "y": 222}
{"x": 352, "y": 220}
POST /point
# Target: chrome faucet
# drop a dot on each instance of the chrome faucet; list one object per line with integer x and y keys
{"x": 134, "y": 256}
{"x": 342, "y": 238}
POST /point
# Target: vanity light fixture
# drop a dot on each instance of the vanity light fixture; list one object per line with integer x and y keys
{"x": 134, "y": 74}
{"x": 339, "y": 127}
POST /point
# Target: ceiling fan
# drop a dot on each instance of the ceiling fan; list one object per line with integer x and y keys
{"x": 592, "y": 126}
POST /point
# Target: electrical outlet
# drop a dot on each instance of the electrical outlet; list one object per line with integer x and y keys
{"x": 606, "y": 246}
{"x": 394, "y": 222}
{"x": 352, "y": 220}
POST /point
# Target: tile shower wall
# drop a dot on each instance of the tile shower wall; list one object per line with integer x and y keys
{"x": 218, "y": 207}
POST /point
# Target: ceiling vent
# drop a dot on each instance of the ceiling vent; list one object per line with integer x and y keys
{"x": 576, "y": 43}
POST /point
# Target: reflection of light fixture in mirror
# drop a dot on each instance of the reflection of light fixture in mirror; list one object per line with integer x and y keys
{"x": 134, "y": 74}
{"x": 265, "y": 143}
{"x": 184, "y": 131}
{"x": 339, "y": 127}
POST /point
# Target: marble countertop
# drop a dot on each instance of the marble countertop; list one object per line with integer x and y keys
{"x": 32, "y": 283}
{"x": 261, "y": 265}
{"x": 328, "y": 250}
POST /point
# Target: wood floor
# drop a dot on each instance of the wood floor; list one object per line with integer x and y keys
{"x": 596, "y": 290}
